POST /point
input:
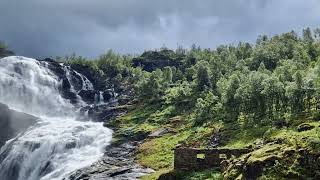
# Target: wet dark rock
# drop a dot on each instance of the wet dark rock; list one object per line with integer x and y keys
{"x": 71, "y": 145}
{"x": 71, "y": 96}
{"x": 47, "y": 168}
{"x": 136, "y": 136}
{"x": 55, "y": 67}
{"x": 72, "y": 83}
{"x": 13, "y": 122}
{"x": 66, "y": 91}
{"x": 104, "y": 112}
{"x": 75, "y": 80}
{"x": 124, "y": 99}
{"x": 119, "y": 172}
{"x": 117, "y": 163}
{"x": 96, "y": 79}
{"x": 305, "y": 127}
{"x": 215, "y": 140}
{"x": 32, "y": 146}
{"x": 88, "y": 95}
{"x": 107, "y": 95}
{"x": 168, "y": 176}
{"x": 65, "y": 84}
{"x": 17, "y": 69}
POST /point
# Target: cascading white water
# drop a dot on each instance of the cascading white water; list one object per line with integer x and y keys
{"x": 101, "y": 99}
{"x": 58, "y": 144}
{"x": 86, "y": 84}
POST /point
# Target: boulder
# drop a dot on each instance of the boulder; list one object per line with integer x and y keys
{"x": 117, "y": 163}
{"x": 289, "y": 161}
{"x": 55, "y": 67}
{"x": 305, "y": 127}
{"x": 107, "y": 95}
{"x": 160, "y": 132}
{"x": 88, "y": 95}
{"x": 102, "y": 113}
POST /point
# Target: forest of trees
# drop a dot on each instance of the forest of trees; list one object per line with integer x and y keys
{"x": 272, "y": 82}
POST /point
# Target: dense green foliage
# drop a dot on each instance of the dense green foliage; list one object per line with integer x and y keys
{"x": 271, "y": 82}
{"x": 247, "y": 93}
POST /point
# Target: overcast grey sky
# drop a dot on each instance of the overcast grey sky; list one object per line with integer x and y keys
{"x": 42, "y": 28}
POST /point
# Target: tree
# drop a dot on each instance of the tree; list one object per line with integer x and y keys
{"x": 295, "y": 94}
{"x": 207, "y": 108}
{"x": 307, "y": 35}
{"x": 317, "y": 33}
{"x": 261, "y": 39}
{"x": 244, "y": 50}
{"x": 167, "y": 75}
{"x": 110, "y": 63}
{"x": 230, "y": 103}
{"x": 274, "y": 91}
{"x": 180, "y": 96}
{"x": 203, "y": 76}
{"x": 149, "y": 87}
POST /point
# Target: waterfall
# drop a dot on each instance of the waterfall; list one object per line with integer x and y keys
{"x": 86, "y": 84}
{"x": 101, "y": 99}
{"x": 58, "y": 144}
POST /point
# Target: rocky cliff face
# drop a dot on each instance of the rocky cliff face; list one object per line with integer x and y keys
{"x": 13, "y": 122}
{"x": 151, "y": 60}
{"x": 80, "y": 82}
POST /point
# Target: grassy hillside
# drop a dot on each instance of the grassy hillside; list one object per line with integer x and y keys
{"x": 264, "y": 96}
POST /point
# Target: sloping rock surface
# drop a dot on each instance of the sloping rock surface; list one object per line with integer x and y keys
{"x": 118, "y": 163}
{"x": 13, "y": 122}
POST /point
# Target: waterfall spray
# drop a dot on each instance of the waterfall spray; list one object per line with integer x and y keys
{"x": 58, "y": 144}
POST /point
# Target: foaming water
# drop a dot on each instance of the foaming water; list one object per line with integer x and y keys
{"x": 28, "y": 86}
{"x": 58, "y": 144}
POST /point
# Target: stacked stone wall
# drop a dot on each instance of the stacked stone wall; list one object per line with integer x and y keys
{"x": 186, "y": 159}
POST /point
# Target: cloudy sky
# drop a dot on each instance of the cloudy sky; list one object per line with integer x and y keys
{"x": 42, "y": 28}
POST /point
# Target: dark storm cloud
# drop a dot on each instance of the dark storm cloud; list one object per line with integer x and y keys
{"x": 89, "y": 27}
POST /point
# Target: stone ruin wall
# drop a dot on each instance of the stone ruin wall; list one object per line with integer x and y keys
{"x": 193, "y": 159}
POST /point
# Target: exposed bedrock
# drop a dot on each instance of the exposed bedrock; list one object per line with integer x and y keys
{"x": 13, "y": 122}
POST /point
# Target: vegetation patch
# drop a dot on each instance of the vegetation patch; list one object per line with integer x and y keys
{"x": 263, "y": 96}
{"x": 210, "y": 174}
{"x": 158, "y": 153}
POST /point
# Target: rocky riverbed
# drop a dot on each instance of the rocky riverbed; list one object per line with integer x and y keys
{"x": 117, "y": 163}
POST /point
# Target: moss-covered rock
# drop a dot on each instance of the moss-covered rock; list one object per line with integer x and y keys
{"x": 275, "y": 160}
{"x": 305, "y": 127}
